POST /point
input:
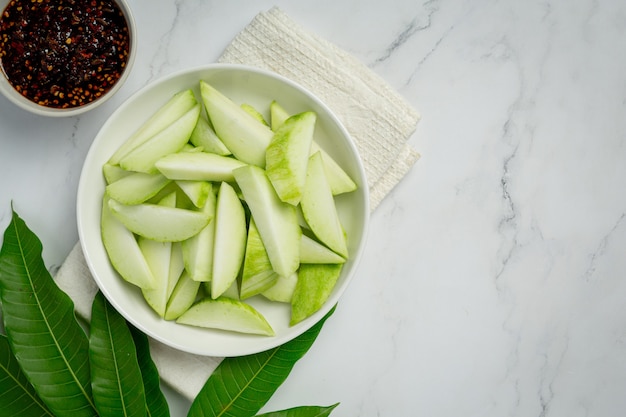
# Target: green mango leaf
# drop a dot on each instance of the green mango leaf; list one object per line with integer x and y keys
{"x": 306, "y": 411}
{"x": 17, "y": 395}
{"x": 43, "y": 332}
{"x": 155, "y": 399}
{"x": 240, "y": 386}
{"x": 116, "y": 378}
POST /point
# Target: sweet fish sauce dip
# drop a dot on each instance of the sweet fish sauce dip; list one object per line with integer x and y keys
{"x": 63, "y": 53}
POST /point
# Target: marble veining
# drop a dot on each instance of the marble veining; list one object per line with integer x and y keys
{"x": 415, "y": 26}
{"x": 493, "y": 280}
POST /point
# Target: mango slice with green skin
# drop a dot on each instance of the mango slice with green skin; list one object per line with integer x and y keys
{"x": 226, "y": 314}
{"x": 177, "y": 267}
{"x": 203, "y": 136}
{"x": 313, "y": 252}
{"x": 160, "y": 223}
{"x": 231, "y": 292}
{"x": 243, "y": 134}
{"x": 230, "y": 239}
{"x": 283, "y": 289}
{"x": 172, "y": 139}
{"x": 340, "y": 181}
{"x": 197, "y": 191}
{"x": 319, "y": 210}
{"x": 158, "y": 255}
{"x": 113, "y": 173}
{"x": 276, "y": 220}
{"x": 278, "y": 115}
{"x": 179, "y": 104}
{"x": 183, "y": 296}
{"x": 252, "y": 111}
{"x": 198, "y": 249}
{"x": 198, "y": 166}
{"x": 314, "y": 286}
{"x": 123, "y": 251}
{"x": 257, "y": 274}
{"x": 287, "y": 156}
{"x": 136, "y": 187}
{"x": 158, "y": 296}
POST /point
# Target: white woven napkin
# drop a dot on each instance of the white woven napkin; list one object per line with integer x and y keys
{"x": 379, "y": 120}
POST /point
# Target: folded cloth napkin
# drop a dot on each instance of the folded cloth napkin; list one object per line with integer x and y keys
{"x": 379, "y": 120}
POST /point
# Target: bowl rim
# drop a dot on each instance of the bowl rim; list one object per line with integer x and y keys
{"x": 8, "y": 91}
{"x": 263, "y": 343}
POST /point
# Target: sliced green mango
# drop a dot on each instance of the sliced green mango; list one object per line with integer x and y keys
{"x": 245, "y": 136}
{"x": 283, "y": 288}
{"x": 230, "y": 239}
{"x": 319, "y": 210}
{"x": 314, "y": 286}
{"x": 137, "y": 187}
{"x": 257, "y": 274}
{"x": 203, "y": 136}
{"x": 158, "y": 297}
{"x": 197, "y": 191}
{"x": 276, "y": 220}
{"x": 123, "y": 251}
{"x": 160, "y": 223}
{"x": 339, "y": 180}
{"x": 158, "y": 256}
{"x": 278, "y": 115}
{"x": 172, "y": 139}
{"x": 198, "y": 166}
{"x": 226, "y": 314}
{"x": 254, "y": 112}
{"x": 113, "y": 173}
{"x": 183, "y": 296}
{"x": 198, "y": 249}
{"x": 313, "y": 252}
{"x": 287, "y": 156}
{"x": 178, "y": 105}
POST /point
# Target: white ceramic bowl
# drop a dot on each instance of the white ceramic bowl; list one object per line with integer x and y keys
{"x": 19, "y": 100}
{"x": 242, "y": 84}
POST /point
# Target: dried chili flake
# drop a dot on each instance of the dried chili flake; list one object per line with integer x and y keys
{"x": 63, "y": 53}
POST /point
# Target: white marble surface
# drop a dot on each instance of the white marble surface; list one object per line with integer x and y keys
{"x": 494, "y": 278}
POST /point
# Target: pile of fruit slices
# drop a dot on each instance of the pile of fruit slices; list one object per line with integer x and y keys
{"x": 208, "y": 204}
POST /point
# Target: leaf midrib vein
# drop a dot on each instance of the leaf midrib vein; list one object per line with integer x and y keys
{"x": 34, "y": 399}
{"x": 45, "y": 319}
{"x": 115, "y": 361}
{"x": 248, "y": 382}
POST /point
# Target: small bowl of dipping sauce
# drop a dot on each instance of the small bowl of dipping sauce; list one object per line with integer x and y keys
{"x": 61, "y": 58}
